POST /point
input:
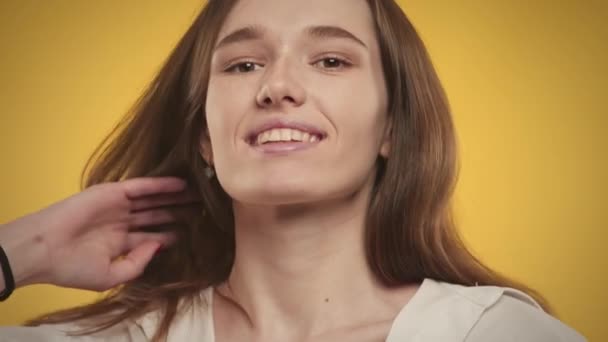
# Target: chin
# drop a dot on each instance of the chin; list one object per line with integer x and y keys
{"x": 277, "y": 195}
{"x": 268, "y": 191}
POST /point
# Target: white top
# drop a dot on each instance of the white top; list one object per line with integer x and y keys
{"x": 438, "y": 311}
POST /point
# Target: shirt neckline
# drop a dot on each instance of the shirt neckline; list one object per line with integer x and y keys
{"x": 404, "y": 322}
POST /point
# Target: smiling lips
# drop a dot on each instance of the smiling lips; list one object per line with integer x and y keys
{"x": 278, "y": 136}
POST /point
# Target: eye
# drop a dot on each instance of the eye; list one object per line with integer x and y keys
{"x": 332, "y": 63}
{"x": 242, "y": 67}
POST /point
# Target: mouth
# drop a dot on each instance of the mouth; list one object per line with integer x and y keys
{"x": 284, "y": 140}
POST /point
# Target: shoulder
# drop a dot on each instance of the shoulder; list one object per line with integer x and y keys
{"x": 507, "y": 314}
{"x": 514, "y": 316}
{"x": 443, "y": 311}
{"x": 69, "y": 332}
{"x": 192, "y": 321}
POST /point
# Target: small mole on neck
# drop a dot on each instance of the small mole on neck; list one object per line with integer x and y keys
{"x": 326, "y": 300}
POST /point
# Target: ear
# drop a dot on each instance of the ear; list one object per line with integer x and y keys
{"x": 205, "y": 147}
{"x": 385, "y": 148}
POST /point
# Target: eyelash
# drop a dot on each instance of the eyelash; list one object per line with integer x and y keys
{"x": 343, "y": 64}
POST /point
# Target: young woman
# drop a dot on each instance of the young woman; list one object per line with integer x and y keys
{"x": 294, "y": 160}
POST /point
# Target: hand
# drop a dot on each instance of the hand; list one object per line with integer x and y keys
{"x": 76, "y": 242}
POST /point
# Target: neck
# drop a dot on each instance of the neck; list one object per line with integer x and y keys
{"x": 301, "y": 270}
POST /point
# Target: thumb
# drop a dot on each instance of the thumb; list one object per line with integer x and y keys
{"x": 133, "y": 264}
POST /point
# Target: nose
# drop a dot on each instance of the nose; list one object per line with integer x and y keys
{"x": 279, "y": 87}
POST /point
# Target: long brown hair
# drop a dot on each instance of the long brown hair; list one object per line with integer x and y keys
{"x": 410, "y": 234}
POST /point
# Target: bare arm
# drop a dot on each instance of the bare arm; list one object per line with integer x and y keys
{"x": 76, "y": 242}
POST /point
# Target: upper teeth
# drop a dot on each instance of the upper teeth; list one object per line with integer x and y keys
{"x": 285, "y": 134}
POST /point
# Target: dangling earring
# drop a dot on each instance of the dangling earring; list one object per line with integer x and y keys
{"x": 209, "y": 172}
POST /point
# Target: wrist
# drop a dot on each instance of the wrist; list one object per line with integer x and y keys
{"x": 7, "y": 276}
{"x": 23, "y": 247}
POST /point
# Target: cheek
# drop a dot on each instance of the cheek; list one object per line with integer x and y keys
{"x": 360, "y": 121}
{"x": 225, "y": 107}
{"x": 357, "y": 111}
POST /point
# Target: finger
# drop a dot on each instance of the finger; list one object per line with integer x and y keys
{"x": 144, "y": 186}
{"x": 151, "y": 218}
{"x": 137, "y": 238}
{"x": 133, "y": 264}
{"x": 155, "y": 201}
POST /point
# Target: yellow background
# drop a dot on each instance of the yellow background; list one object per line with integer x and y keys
{"x": 526, "y": 79}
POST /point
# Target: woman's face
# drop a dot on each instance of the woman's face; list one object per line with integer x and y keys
{"x": 296, "y": 106}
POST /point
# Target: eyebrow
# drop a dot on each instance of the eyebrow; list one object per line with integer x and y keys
{"x": 333, "y": 32}
{"x": 257, "y": 32}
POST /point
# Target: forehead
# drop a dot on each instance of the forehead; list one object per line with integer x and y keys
{"x": 291, "y": 17}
